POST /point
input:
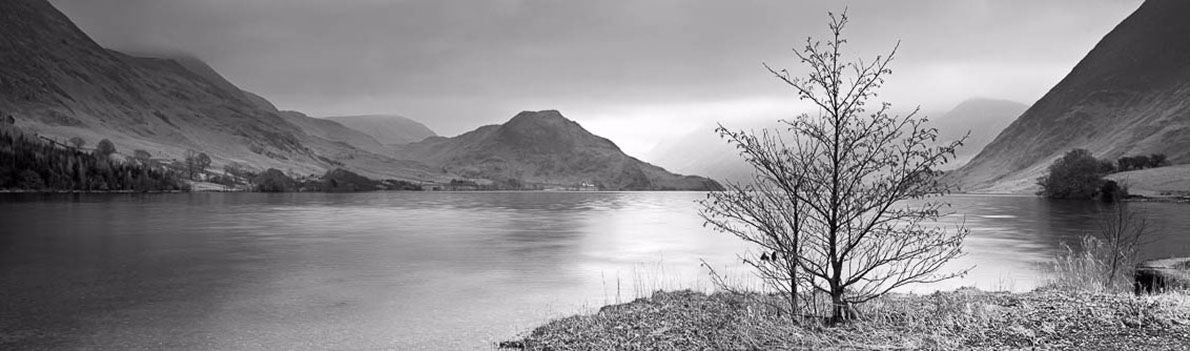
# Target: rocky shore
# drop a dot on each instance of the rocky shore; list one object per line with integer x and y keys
{"x": 967, "y": 319}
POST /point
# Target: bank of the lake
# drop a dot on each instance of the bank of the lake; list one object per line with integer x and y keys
{"x": 965, "y": 319}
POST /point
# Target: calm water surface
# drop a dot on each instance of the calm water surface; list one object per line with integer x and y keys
{"x": 408, "y": 270}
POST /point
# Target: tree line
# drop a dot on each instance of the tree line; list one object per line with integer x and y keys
{"x": 274, "y": 180}
{"x": 1141, "y": 162}
{"x": 31, "y": 164}
{"x": 1080, "y": 175}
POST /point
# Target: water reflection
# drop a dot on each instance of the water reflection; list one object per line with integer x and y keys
{"x": 408, "y": 270}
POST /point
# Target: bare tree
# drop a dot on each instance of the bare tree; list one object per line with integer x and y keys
{"x": 766, "y": 213}
{"x": 1121, "y": 231}
{"x": 845, "y": 174}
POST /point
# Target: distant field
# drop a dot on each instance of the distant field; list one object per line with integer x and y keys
{"x": 1172, "y": 180}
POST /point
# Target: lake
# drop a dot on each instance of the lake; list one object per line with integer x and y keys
{"x": 411, "y": 270}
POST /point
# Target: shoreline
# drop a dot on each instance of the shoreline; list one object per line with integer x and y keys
{"x": 17, "y": 191}
{"x": 1162, "y": 199}
{"x": 967, "y": 319}
{"x": 1130, "y": 198}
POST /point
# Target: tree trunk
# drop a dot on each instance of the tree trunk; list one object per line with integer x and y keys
{"x": 840, "y": 311}
{"x": 794, "y": 310}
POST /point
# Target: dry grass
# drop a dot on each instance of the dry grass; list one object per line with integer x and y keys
{"x": 1081, "y": 308}
{"x": 1086, "y": 269}
{"x": 964, "y": 319}
{"x": 1170, "y": 181}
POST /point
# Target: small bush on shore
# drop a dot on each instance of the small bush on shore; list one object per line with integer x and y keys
{"x": 273, "y": 180}
{"x": 1077, "y": 175}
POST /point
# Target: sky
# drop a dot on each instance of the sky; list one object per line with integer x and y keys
{"x": 641, "y": 73}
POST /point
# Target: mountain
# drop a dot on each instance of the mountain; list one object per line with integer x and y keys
{"x": 544, "y": 148}
{"x": 321, "y": 128}
{"x": 60, "y": 84}
{"x": 336, "y": 132}
{"x": 703, "y": 152}
{"x": 1130, "y": 95}
{"x": 982, "y": 118}
{"x": 387, "y": 129}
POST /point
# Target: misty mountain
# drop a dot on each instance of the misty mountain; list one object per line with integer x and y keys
{"x": 336, "y": 132}
{"x": 59, "y": 83}
{"x": 545, "y": 148}
{"x": 1130, "y": 95}
{"x": 316, "y": 127}
{"x": 387, "y": 129}
{"x": 704, "y": 152}
{"x": 982, "y": 118}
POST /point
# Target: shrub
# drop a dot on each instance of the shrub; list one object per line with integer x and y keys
{"x": 105, "y": 148}
{"x": 1132, "y": 163}
{"x": 1077, "y": 175}
{"x": 30, "y": 180}
{"x": 274, "y": 181}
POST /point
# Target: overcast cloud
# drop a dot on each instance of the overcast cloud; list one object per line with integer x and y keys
{"x": 637, "y": 72}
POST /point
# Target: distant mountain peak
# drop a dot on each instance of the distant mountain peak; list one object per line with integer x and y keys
{"x": 541, "y": 119}
{"x": 543, "y": 114}
{"x": 549, "y": 132}
{"x": 984, "y": 101}
{"x": 544, "y": 148}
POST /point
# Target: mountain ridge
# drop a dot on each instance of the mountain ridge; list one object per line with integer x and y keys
{"x": 981, "y": 119}
{"x": 705, "y": 152}
{"x": 60, "y": 84}
{"x": 1129, "y": 95}
{"x": 386, "y": 129}
{"x": 545, "y": 148}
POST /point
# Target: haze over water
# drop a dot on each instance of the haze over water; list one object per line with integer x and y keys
{"x": 410, "y": 270}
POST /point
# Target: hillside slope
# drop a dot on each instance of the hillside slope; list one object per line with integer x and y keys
{"x": 1156, "y": 182}
{"x": 387, "y": 129}
{"x": 545, "y": 148}
{"x": 1130, "y": 95}
{"x": 332, "y": 131}
{"x": 316, "y": 127}
{"x": 59, "y": 83}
